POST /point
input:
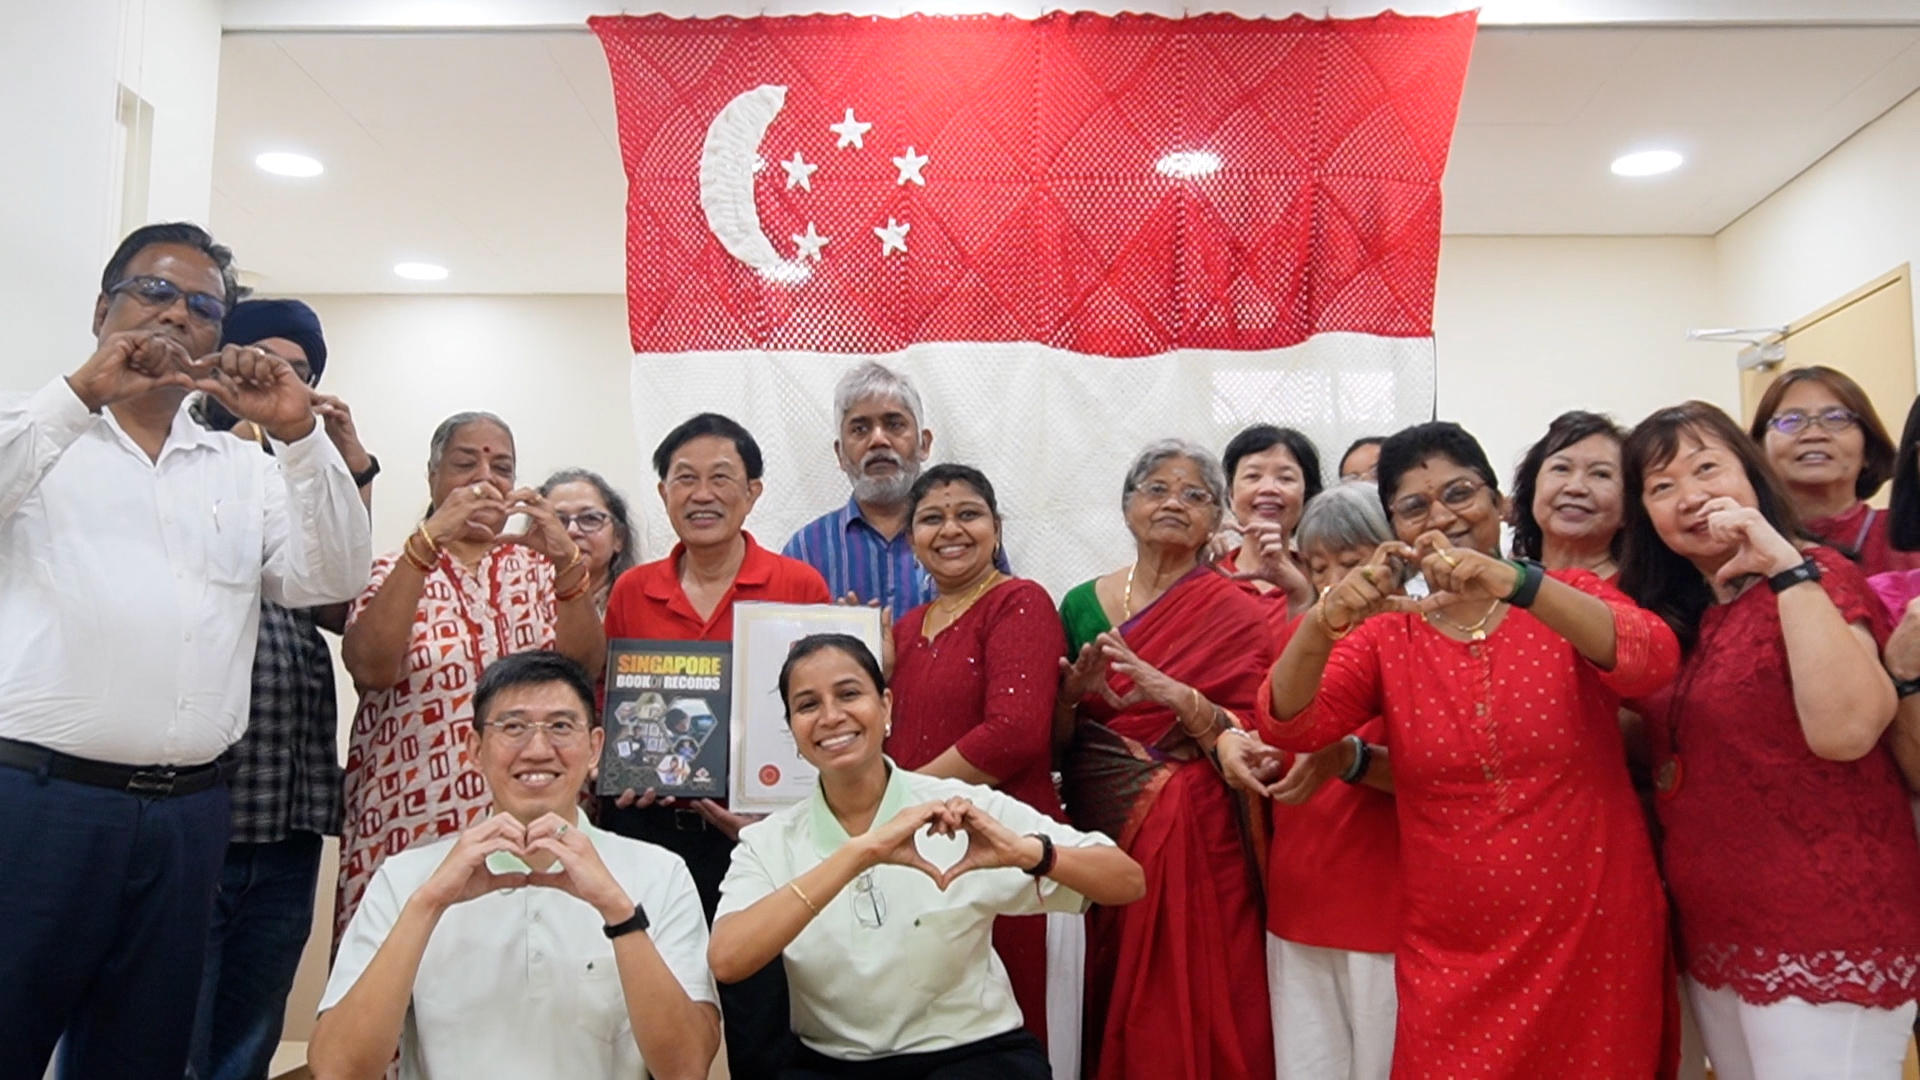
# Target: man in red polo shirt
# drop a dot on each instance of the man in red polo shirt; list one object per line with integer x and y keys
{"x": 709, "y": 471}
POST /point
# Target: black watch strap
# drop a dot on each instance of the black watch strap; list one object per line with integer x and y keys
{"x": 1795, "y": 575}
{"x": 1531, "y": 575}
{"x": 1906, "y": 688}
{"x": 1045, "y": 865}
{"x": 366, "y": 475}
{"x": 633, "y": 925}
{"x": 1362, "y": 760}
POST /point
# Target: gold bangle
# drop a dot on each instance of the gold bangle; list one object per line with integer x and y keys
{"x": 586, "y": 584}
{"x": 571, "y": 563}
{"x": 432, "y": 548}
{"x": 425, "y": 566}
{"x": 795, "y": 886}
{"x": 1326, "y": 624}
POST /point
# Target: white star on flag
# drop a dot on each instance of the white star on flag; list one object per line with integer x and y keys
{"x": 810, "y": 244}
{"x": 910, "y": 167}
{"x": 850, "y": 132}
{"x": 893, "y": 237}
{"x": 799, "y": 172}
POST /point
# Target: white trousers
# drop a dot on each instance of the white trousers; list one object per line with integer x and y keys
{"x": 1066, "y": 991}
{"x": 1798, "y": 1040}
{"x": 1333, "y": 1012}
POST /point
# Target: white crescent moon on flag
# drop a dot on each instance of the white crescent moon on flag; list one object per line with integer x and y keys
{"x": 727, "y": 161}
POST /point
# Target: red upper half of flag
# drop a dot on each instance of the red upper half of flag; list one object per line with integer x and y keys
{"x": 1119, "y": 186}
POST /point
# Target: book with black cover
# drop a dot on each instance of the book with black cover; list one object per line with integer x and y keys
{"x": 667, "y": 710}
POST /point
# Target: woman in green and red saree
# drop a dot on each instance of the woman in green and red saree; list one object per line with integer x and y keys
{"x": 1167, "y": 652}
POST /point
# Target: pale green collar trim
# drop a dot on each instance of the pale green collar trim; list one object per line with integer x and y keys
{"x": 828, "y": 834}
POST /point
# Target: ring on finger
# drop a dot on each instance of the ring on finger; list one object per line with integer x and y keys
{"x": 1448, "y": 555}
{"x": 479, "y": 490}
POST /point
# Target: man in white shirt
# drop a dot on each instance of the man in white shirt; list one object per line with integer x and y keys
{"x": 135, "y": 547}
{"x": 532, "y": 945}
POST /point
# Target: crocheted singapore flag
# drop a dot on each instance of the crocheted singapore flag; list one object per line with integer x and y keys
{"x": 1076, "y": 233}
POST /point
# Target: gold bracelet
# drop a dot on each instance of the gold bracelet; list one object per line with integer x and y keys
{"x": 1326, "y": 624}
{"x": 432, "y": 548}
{"x": 795, "y": 886}
{"x": 586, "y": 584}
{"x": 571, "y": 563}
{"x": 425, "y": 566}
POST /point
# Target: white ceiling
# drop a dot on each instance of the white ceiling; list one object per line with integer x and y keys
{"x": 496, "y": 154}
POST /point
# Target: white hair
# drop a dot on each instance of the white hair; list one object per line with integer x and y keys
{"x": 871, "y": 380}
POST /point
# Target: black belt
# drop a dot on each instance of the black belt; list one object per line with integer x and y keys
{"x": 146, "y": 781}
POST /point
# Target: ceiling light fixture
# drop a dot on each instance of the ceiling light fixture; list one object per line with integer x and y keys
{"x": 420, "y": 271}
{"x": 1187, "y": 164}
{"x": 280, "y": 163}
{"x": 1647, "y": 163}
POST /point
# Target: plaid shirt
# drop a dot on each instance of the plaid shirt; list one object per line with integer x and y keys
{"x": 286, "y": 768}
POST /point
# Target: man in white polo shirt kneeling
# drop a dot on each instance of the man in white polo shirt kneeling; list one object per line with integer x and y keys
{"x": 533, "y": 944}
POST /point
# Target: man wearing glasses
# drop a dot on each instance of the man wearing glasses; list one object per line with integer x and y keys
{"x": 284, "y": 774}
{"x": 532, "y": 945}
{"x": 135, "y": 547}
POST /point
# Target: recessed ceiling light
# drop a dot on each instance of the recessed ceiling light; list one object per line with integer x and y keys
{"x": 284, "y": 164}
{"x": 1647, "y": 163}
{"x": 420, "y": 271}
{"x": 1186, "y": 164}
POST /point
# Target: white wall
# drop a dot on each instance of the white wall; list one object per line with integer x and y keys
{"x": 59, "y": 64}
{"x": 1850, "y": 218}
{"x": 1529, "y": 327}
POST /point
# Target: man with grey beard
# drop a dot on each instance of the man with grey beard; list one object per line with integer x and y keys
{"x": 865, "y": 548}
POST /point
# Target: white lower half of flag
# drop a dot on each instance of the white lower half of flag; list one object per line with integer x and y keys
{"x": 1054, "y": 431}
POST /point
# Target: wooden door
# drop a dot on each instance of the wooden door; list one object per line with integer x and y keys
{"x": 1868, "y": 334}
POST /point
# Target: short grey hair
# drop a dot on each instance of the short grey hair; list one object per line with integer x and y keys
{"x": 1159, "y": 453}
{"x": 1342, "y": 518}
{"x": 442, "y": 435}
{"x": 873, "y": 379}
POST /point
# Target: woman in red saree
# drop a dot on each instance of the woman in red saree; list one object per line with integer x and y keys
{"x": 1166, "y": 652}
{"x": 1533, "y": 940}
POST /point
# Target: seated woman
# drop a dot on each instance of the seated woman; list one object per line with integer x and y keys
{"x": 1333, "y": 874}
{"x": 974, "y": 678}
{"x": 881, "y": 892}
{"x": 1827, "y": 445}
{"x": 1534, "y": 921}
{"x": 1165, "y": 651}
{"x": 1791, "y": 858}
{"x": 457, "y": 596}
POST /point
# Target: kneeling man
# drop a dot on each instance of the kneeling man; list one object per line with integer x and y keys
{"x": 532, "y": 945}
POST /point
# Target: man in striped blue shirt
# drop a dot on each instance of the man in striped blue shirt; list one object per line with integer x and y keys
{"x": 865, "y": 548}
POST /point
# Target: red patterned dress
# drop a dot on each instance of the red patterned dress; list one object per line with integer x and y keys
{"x": 408, "y": 777}
{"x": 1533, "y": 941}
{"x": 1793, "y": 876}
{"x": 986, "y": 685}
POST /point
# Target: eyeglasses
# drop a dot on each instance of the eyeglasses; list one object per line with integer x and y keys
{"x": 1793, "y": 423}
{"x": 869, "y": 904}
{"x": 1456, "y": 497}
{"x": 589, "y": 521}
{"x": 1159, "y": 492}
{"x": 561, "y": 734}
{"x": 158, "y": 292}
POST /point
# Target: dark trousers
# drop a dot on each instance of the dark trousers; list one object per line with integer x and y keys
{"x": 755, "y": 1016}
{"x": 103, "y": 925}
{"x": 1013, "y": 1056}
{"x": 262, "y": 916}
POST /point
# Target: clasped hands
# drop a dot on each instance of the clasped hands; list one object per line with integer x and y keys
{"x": 575, "y": 867}
{"x": 1087, "y": 674}
{"x": 1453, "y": 574}
{"x": 251, "y": 382}
{"x": 543, "y": 534}
{"x": 990, "y": 844}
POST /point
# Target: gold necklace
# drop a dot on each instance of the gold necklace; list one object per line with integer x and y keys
{"x": 953, "y": 609}
{"x": 1476, "y": 632}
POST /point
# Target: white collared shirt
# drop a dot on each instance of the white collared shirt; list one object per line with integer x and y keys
{"x": 522, "y": 983}
{"x": 130, "y": 588}
{"x": 914, "y": 971}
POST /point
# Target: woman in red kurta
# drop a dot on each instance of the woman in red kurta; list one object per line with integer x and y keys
{"x": 974, "y": 678}
{"x": 1789, "y": 851}
{"x": 1166, "y": 651}
{"x": 1534, "y": 922}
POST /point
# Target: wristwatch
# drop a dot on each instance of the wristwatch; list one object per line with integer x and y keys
{"x": 1794, "y": 575}
{"x": 366, "y": 475}
{"x": 633, "y": 925}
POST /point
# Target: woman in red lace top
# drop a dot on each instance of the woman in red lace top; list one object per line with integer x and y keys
{"x": 1533, "y": 923}
{"x": 1830, "y": 451}
{"x": 974, "y": 678}
{"x": 1788, "y": 849}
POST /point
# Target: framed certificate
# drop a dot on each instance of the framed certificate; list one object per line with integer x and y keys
{"x": 768, "y": 772}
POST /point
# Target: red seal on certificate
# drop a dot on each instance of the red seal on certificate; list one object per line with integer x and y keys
{"x": 769, "y": 775}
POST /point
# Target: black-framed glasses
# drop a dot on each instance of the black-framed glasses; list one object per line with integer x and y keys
{"x": 158, "y": 292}
{"x": 561, "y": 734}
{"x": 1457, "y": 496}
{"x": 589, "y": 521}
{"x": 869, "y": 903}
{"x": 1794, "y": 422}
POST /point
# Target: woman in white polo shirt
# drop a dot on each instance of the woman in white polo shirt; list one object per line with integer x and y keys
{"x": 888, "y": 955}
